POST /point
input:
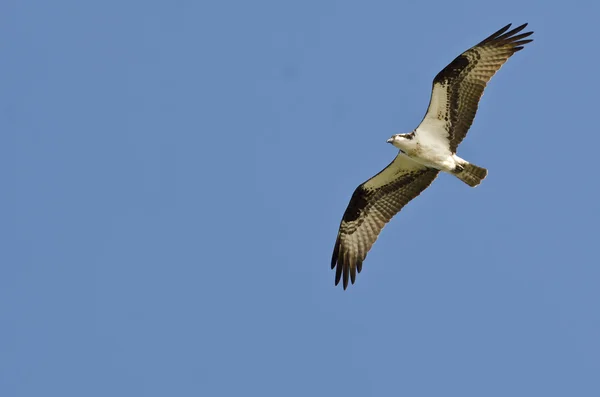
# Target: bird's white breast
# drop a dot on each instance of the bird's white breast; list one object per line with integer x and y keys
{"x": 433, "y": 149}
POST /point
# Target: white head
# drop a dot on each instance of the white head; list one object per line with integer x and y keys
{"x": 404, "y": 142}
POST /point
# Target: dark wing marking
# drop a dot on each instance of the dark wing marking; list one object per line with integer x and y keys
{"x": 458, "y": 88}
{"x": 372, "y": 205}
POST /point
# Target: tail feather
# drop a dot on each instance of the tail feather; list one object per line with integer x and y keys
{"x": 471, "y": 174}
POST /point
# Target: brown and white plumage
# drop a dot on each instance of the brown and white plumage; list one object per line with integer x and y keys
{"x": 426, "y": 151}
{"x": 458, "y": 88}
{"x": 372, "y": 205}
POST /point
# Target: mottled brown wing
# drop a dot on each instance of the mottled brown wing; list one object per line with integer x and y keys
{"x": 372, "y": 205}
{"x": 458, "y": 88}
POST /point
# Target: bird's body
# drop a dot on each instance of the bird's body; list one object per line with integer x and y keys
{"x": 422, "y": 148}
{"x": 428, "y": 152}
{"x": 424, "y": 152}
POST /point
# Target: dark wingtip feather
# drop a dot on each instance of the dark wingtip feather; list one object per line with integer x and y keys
{"x": 521, "y": 27}
{"x": 506, "y": 35}
{"x": 501, "y": 31}
{"x": 513, "y": 38}
{"x": 495, "y": 35}
{"x": 345, "y": 273}
{"x": 336, "y": 252}
{"x": 511, "y": 33}
{"x": 338, "y": 274}
{"x": 520, "y": 36}
{"x": 522, "y": 42}
{"x": 339, "y": 269}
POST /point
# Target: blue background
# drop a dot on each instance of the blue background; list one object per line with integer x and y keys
{"x": 174, "y": 173}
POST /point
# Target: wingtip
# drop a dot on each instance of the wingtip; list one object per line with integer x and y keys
{"x": 346, "y": 274}
{"x": 503, "y": 30}
{"x": 336, "y": 252}
{"x": 523, "y": 26}
{"x": 507, "y": 34}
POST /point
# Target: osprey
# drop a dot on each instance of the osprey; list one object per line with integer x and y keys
{"x": 424, "y": 152}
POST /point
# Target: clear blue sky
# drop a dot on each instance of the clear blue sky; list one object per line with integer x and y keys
{"x": 174, "y": 174}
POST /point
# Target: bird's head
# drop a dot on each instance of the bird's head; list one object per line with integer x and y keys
{"x": 403, "y": 142}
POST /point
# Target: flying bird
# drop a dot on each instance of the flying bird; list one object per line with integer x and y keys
{"x": 425, "y": 151}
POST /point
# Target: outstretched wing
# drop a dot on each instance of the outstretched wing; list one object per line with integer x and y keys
{"x": 458, "y": 88}
{"x": 372, "y": 205}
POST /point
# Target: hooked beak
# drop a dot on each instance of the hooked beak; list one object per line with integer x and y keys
{"x": 391, "y": 140}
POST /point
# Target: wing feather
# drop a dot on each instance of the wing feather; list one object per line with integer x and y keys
{"x": 458, "y": 88}
{"x": 373, "y": 204}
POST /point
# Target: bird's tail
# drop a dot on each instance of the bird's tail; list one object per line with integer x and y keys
{"x": 471, "y": 174}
